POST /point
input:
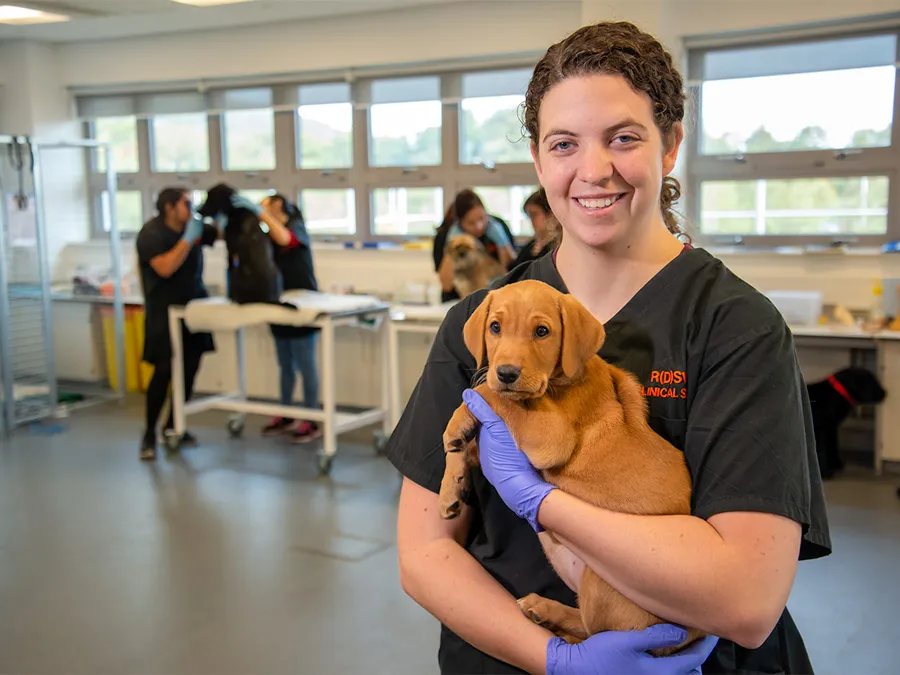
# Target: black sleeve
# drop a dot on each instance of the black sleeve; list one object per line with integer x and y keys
{"x": 150, "y": 244}
{"x": 524, "y": 254}
{"x": 209, "y": 236}
{"x": 437, "y": 250}
{"x": 416, "y": 445}
{"x": 750, "y": 444}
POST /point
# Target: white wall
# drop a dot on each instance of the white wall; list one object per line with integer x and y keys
{"x": 35, "y": 103}
{"x": 402, "y": 37}
{"x": 15, "y": 102}
{"x": 477, "y": 29}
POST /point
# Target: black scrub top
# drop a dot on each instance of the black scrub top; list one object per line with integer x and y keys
{"x": 527, "y": 254}
{"x": 297, "y": 272}
{"x": 721, "y": 377}
{"x": 186, "y": 284}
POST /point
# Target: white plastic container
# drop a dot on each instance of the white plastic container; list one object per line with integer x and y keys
{"x": 799, "y": 308}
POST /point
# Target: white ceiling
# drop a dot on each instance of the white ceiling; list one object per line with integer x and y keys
{"x": 109, "y": 19}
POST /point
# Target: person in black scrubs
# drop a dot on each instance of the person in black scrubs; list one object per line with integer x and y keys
{"x": 467, "y": 215}
{"x": 171, "y": 265}
{"x": 540, "y": 215}
{"x": 721, "y": 378}
{"x": 295, "y": 345}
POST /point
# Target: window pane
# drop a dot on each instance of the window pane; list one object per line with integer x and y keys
{"x": 121, "y": 134}
{"x": 405, "y": 134}
{"x": 490, "y": 131}
{"x": 255, "y": 196}
{"x": 810, "y": 206}
{"x": 197, "y": 198}
{"x": 508, "y": 203}
{"x": 326, "y": 136}
{"x": 329, "y": 211}
{"x": 807, "y": 111}
{"x": 180, "y": 143}
{"x": 129, "y": 210}
{"x": 407, "y": 210}
{"x": 249, "y": 140}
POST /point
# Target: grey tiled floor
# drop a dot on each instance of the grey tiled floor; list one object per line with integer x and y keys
{"x": 234, "y": 558}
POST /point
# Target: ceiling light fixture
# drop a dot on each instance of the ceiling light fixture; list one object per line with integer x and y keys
{"x": 210, "y": 3}
{"x": 13, "y": 14}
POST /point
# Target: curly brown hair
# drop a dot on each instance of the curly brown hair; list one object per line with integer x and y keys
{"x": 616, "y": 48}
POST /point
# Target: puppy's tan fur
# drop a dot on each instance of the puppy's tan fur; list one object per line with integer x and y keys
{"x": 473, "y": 268}
{"x": 581, "y": 422}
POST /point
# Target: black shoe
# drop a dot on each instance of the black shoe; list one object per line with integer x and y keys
{"x": 148, "y": 448}
{"x": 187, "y": 440}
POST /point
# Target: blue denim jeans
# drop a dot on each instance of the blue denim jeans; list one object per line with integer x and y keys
{"x": 299, "y": 353}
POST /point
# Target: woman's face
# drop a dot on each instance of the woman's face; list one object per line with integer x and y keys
{"x": 601, "y": 158}
{"x": 475, "y": 221}
{"x": 275, "y": 207}
{"x": 538, "y": 218}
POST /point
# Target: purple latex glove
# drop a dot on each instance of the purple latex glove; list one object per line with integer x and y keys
{"x": 625, "y": 653}
{"x": 506, "y": 467}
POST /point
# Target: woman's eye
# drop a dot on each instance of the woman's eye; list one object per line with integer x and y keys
{"x": 541, "y": 331}
{"x": 624, "y": 140}
{"x": 562, "y": 145}
{"x": 495, "y": 327}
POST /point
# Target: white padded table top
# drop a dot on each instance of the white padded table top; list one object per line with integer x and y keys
{"x": 430, "y": 313}
{"x": 299, "y": 308}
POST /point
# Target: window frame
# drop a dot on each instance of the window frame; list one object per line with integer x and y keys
{"x": 849, "y": 163}
{"x": 289, "y": 179}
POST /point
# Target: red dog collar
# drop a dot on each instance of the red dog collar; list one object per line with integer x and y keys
{"x": 839, "y": 388}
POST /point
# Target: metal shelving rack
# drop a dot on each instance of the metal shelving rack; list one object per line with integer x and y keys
{"x": 29, "y": 384}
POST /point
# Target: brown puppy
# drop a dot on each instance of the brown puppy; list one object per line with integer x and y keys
{"x": 473, "y": 268}
{"x": 581, "y": 422}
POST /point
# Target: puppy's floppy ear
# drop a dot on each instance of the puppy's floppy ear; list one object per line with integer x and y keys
{"x": 473, "y": 331}
{"x": 582, "y": 335}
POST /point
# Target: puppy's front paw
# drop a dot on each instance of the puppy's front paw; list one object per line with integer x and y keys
{"x": 529, "y": 606}
{"x": 449, "y": 507}
{"x": 453, "y": 486}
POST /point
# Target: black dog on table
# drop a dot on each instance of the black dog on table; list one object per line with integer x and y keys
{"x": 831, "y": 401}
{"x": 252, "y": 272}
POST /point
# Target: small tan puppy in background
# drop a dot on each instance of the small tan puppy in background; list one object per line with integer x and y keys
{"x": 473, "y": 268}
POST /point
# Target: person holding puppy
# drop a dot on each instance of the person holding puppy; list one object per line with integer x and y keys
{"x": 467, "y": 215}
{"x": 295, "y": 345}
{"x": 171, "y": 265}
{"x": 720, "y": 376}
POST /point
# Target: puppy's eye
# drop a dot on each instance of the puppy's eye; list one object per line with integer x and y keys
{"x": 495, "y": 327}
{"x": 541, "y": 332}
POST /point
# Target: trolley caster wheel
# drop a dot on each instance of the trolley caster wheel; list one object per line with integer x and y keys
{"x": 380, "y": 441}
{"x": 173, "y": 442}
{"x": 325, "y": 463}
{"x": 236, "y": 426}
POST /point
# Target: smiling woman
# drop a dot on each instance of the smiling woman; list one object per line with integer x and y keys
{"x": 719, "y": 376}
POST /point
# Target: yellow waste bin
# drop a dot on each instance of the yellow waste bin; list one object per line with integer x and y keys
{"x": 146, "y": 369}
{"x": 132, "y": 349}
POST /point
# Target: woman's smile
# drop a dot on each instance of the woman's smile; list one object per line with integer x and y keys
{"x": 600, "y": 205}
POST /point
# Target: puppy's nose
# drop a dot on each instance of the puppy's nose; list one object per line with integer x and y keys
{"x": 508, "y": 374}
